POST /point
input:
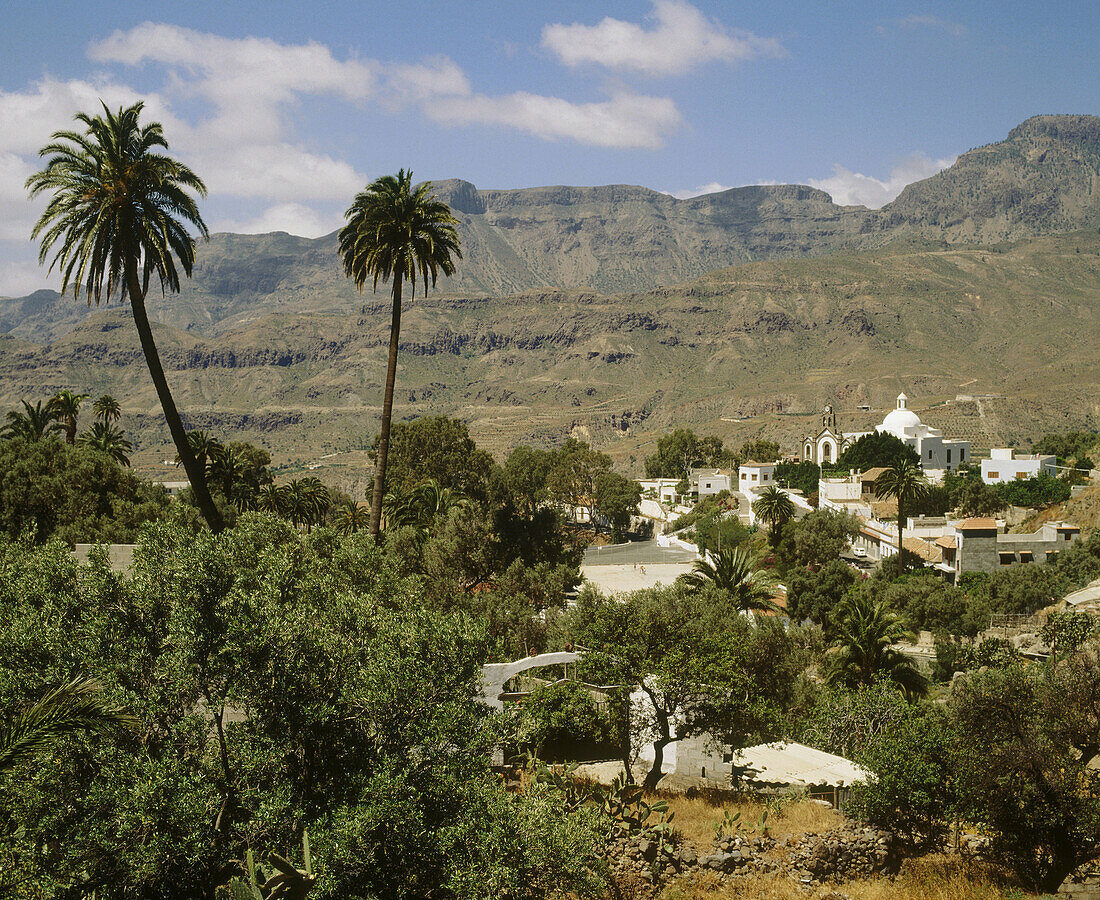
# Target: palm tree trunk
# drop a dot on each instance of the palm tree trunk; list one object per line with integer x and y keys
{"x": 195, "y": 474}
{"x": 901, "y": 529}
{"x": 387, "y": 414}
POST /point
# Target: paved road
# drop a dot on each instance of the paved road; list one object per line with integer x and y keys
{"x": 641, "y": 553}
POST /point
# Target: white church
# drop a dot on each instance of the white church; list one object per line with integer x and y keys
{"x": 937, "y": 454}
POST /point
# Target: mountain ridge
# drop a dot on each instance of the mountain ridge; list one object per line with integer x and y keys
{"x": 1044, "y": 178}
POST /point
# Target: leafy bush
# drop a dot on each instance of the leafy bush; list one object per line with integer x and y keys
{"x": 911, "y": 791}
{"x": 562, "y": 722}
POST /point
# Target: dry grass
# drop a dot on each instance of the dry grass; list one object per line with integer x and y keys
{"x": 696, "y": 817}
{"x": 930, "y": 878}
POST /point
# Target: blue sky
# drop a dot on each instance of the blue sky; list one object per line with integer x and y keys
{"x": 287, "y": 109}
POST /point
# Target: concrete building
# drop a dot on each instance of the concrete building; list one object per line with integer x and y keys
{"x": 1005, "y": 465}
{"x": 981, "y": 545}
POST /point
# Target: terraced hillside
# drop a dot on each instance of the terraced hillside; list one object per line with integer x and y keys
{"x": 749, "y": 350}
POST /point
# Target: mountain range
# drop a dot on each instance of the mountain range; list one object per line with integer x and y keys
{"x": 615, "y": 312}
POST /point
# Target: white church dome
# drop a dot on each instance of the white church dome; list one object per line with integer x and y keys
{"x": 899, "y": 419}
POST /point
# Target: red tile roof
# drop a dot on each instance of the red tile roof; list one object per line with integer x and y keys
{"x": 978, "y": 524}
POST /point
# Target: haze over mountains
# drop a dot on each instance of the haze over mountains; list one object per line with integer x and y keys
{"x": 866, "y": 300}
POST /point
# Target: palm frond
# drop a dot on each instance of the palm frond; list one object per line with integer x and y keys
{"x": 66, "y": 709}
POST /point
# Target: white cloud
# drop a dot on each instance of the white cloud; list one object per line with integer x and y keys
{"x": 293, "y": 218}
{"x": 955, "y": 29}
{"x": 681, "y": 38}
{"x": 626, "y": 120}
{"x": 247, "y": 79}
{"x": 848, "y": 188}
{"x": 712, "y": 187}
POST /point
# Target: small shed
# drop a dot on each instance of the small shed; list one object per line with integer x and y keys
{"x": 786, "y": 765}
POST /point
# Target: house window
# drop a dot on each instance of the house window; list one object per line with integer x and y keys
{"x": 948, "y": 457}
{"x": 764, "y": 477}
{"x": 1007, "y": 559}
{"x": 994, "y": 474}
{"x": 1020, "y": 476}
{"x": 1052, "y": 554}
{"x": 754, "y": 476}
{"x": 1025, "y": 556}
{"x": 929, "y": 454}
{"x": 744, "y": 475}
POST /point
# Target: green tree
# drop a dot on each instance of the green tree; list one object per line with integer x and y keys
{"x": 818, "y": 537}
{"x": 279, "y": 682}
{"x": 107, "y": 409}
{"x": 617, "y": 499}
{"x": 911, "y": 791}
{"x": 803, "y": 476}
{"x": 435, "y": 448}
{"x": 700, "y": 665}
{"x": 561, "y": 721}
{"x": 119, "y": 210}
{"x": 906, "y": 483}
{"x": 108, "y": 439}
{"x": 77, "y": 705}
{"x": 352, "y": 517}
{"x": 66, "y": 409}
{"x": 974, "y": 497}
{"x": 732, "y": 574}
{"x": 1025, "y": 738}
{"x": 33, "y": 423}
{"x": 775, "y": 507}
{"x": 523, "y": 478}
{"x": 573, "y": 474}
{"x": 814, "y": 595}
{"x": 677, "y": 453}
{"x": 878, "y": 449}
{"x": 395, "y": 231}
{"x": 77, "y": 494}
{"x": 760, "y": 450}
{"x": 865, "y": 631}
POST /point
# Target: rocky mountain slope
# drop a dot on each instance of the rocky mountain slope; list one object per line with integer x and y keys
{"x": 744, "y": 351}
{"x": 1044, "y": 178}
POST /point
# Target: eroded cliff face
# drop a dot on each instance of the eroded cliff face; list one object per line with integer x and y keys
{"x": 1043, "y": 179}
{"x": 745, "y": 351}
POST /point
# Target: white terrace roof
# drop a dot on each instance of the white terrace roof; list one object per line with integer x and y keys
{"x": 1088, "y": 594}
{"x": 788, "y": 763}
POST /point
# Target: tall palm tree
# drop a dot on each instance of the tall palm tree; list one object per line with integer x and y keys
{"x": 31, "y": 424}
{"x": 776, "y": 508}
{"x": 906, "y": 482}
{"x": 272, "y": 499}
{"x": 108, "y": 439}
{"x": 396, "y": 232}
{"x": 866, "y": 629}
{"x": 206, "y": 450}
{"x": 118, "y": 214}
{"x": 351, "y": 517}
{"x": 66, "y": 409}
{"x": 732, "y": 573}
{"x": 107, "y": 408}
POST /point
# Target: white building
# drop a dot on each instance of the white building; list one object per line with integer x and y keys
{"x": 828, "y": 442}
{"x": 937, "y": 454}
{"x": 661, "y": 489}
{"x": 1007, "y": 465}
{"x": 755, "y": 476}
{"x": 708, "y": 482}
